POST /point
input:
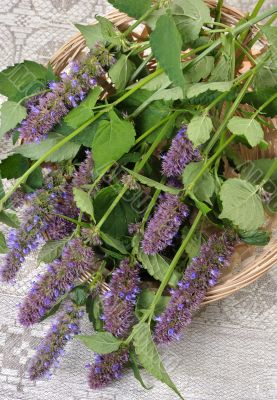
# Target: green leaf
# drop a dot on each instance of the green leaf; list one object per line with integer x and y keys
{"x": 133, "y": 8}
{"x": 94, "y": 311}
{"x": 36, "y": 150}
{"x": 101, "y": 343}
{"x": 55, "y": 308}
{"x": 149, "y": 357}
{"x": 123, "y": 214}
{"x": 110, "y": 33}
{"x": 116, "y": 244}
{"x": 249, "y": 128}
{"x": 159, "y": 82}
{"x": 189, "y": 16}
{"x": 257, "y": 238}
{"x": 14, "y": 166}
{"x": 24, "y": 79}
{"x": 199, "y": 88}
{"x": 3, "y": 245}
{"x": 121, "y": 72}
{"x": 79, "y": 296}
{"x": 166, "y": 44}
{"x": 136, "y": 371}
{"x": 83, "y": 201}
{"x": 151, "y": 183}
{"x": 157, "y": 267}
{"x": 92, "y": 34}
{"x": 205, "y": 186}
{"x": 201, "y": 70}
{"x": 81, "y": 114}
{"x": 51, "y": 250}
{"x": 2, "y": 191}
{"x": 35, "y": 180}
{"x": 241, "y": 204}
{"x": 9, "y": 219}
{"x": 145, "y": 300}
{"x": 255, "y": 170}
{"x": 11, "y": 114}
{"x": 258, "y": 97}
{"x": 199, "y": 129}
{"x": 112, "y": 140}
{"x": 194, "y": 244}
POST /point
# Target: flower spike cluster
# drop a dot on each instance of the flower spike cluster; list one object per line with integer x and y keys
{"x": 203, "y": 273}
{"x": 119, "y": 317}
{"x": 165, "y": 223}
{"x": 46, "y": 110}
{"x": 61, "y": 276}
{"x": 66, "y": 326}
{"x": 180, "y": 154}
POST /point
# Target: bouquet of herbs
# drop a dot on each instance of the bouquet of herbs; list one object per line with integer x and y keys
{"x": 120, "y": 173}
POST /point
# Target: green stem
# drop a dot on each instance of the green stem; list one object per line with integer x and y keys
{"x": 152, "y": 129}
{"x": 151, "y": 205}
{"x": 229, "y": 115}
{"x": 140, "y": 68}
{"x": 257, "y": 8}
{"x": 218, "y": 10}
{"x": 240, "y": 28}
{"x": 139, "y": 21}
{"x": 33, "y": 95}
{"x": 268, "y": 175}
{"x": 270, "y": 100}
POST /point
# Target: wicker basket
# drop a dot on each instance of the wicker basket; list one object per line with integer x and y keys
{"x": 249, "y": 263}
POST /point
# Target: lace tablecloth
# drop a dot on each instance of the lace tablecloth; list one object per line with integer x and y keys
{"x": 228, "y": 353}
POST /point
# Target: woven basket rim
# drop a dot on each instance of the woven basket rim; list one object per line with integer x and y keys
{"x": 253, "y": 269}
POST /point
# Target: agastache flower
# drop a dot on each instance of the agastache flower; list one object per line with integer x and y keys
{"x": 119, "y": 317}
{"x": 165, "y": 223}
{"x": 84, "y": 174}
{"x": 47, "y": 110}
{"x": 120, "y": 300}
{"x": 66, "y": 326}
{"x": 62, "y": 275}
{"x": 202, "y": 274}
{"x": 180, "y": 154}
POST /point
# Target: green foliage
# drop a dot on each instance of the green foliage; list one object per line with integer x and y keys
{"x": 110, "y": 33}
{"x": 145, "y": 300}
{"x": 189, "y": 16}
{"x": 121, "y": 72}
{"x": 133, "y": 8}
{"x": 241, "y": 204}
{"x": 3, "y": 245}
{"x": 193, "y": 246}
{"x": 249, "y": 128}
{"x": 51, "y": 250}
{"x": 199, "y": 129}
{"x": 258, "y": 97}
{"x": 24, "y": 79}
{"x": 201, "y": 70}
{"x": 136, "y": 371}
{"x": 258, "y": 238}
{"x": 199, "y": 88}
{"x": 101, "y": 343}
{"x": 266, "y": 76}
{"x": 116, "y": 244}
{"x": 36, "y": 150}
{"x": 112, "y": 139}
{"x": 83, "y": 201}
{"x": 204, "y": 188}
{"x": 149, "y": 357}
{"x": 11, "y": 114}
{"x": 94, "y": 311}
{"x": 79, "y": 296}
{"x": 14, "y": 166}
{"x": 10, "y": 219}
{"x": 92, "y": 34}
{"x": 166, "y": 45}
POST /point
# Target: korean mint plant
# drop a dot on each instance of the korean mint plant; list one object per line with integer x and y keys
{"x": 119, "y": 173}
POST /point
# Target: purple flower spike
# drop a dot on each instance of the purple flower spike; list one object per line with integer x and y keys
{"x": 119, "y": 302}
{"x": 164, "y": 225}
{"x": 52, "y": 346}
{"x": 84, "y": 175}
{"x": 107, "y": 367}
{"x": 61, "y": 277}
{"x": 180, "y": 154}
{"x": 201, "y": 274}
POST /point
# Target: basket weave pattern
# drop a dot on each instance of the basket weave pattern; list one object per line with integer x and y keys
{"x": 248, "y": 263}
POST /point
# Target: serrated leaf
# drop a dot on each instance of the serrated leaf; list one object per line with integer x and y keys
{"x": 136, "y": 371}
{"x": 101, "y": 343}
{"x": 83, "y": 201}
{"x": 51, "y": 250}
{"x": 112, "y": 139}
{"x": 249, "y": 128}
{"x": 205, "y": 186}
{"x": 151, "y": 183}
{"x": 199, "y": 129}
{"x": 121, "y": 72}
{"x": 110, "y": 33}
{"x": 241, "y": 204}
{"x": 133, "y": 8}
{"x": 149, "y": 357}
{"x": 11, "y": 114}
{"x": 189, "y": 16}
{"x": 157, "y": 267}
{"x": 79, "y": 296}
{"x": 199, "y": 88}
{"x": 258, "y": 238}
{"x": 115, "y": 243}
{"x": 166, "y": 45}
{"x": 3, "y": 244}
{"x": 79, "y": 115}
{"x": 201, "y": 70}
{"x": 92, "y": 34}
{"x": 159, "y": 82}
{"x": 36, "y": 150}
{"x": 9, "y": 219}
{"x": 14, "y": 166}
{"x": 24, "y": 79}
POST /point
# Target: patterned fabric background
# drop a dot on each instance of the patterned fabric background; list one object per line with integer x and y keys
{"x": 228, "y": 353}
